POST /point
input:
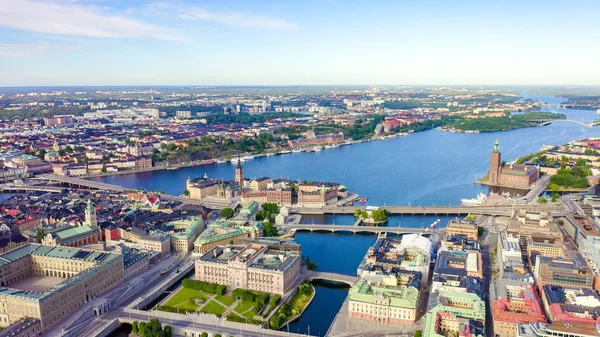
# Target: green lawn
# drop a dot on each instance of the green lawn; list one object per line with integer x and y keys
{"x": 213, "y": 307}
{"x": 243, "y": 307}
{"x": 228, "y": 301}
{"x": 184, "y": 299}
{"x": 299, "y": 301}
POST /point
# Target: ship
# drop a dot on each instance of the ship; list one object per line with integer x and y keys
{"x": 480, "y": 199}
{"x": 237, "y": 160}
{"x": 247, "y": 158}
{"x": 220, "y": 161}
{"x": 270, "y": 154}
{"x": 332, "y": 146}
{"x": 317, "y": 148}
{"x": 297, "y": 151}
{"x": 285, "y": 152}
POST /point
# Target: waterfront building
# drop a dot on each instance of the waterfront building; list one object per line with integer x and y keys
{"x": 562, "y": 271}
{"x": 514, "y": 302}
{"x": 261, "y": 267}
{"x": 462, "y": 227}
{"x": 513, "y": 175}
{"x": 183, "y": 233}
{"x": 385, "y": 298}
{"x": 452, "y": 312}
{"x": 48, "y": 283}
{"x": 411, "y": 253}
{"x": 201, "y": 188}
{"x": 222, "y": 232}
{"x": 318, "y": 198}
{"x": 558, "y": 329}
{"x": 312, "y": 139}
{"x": 571, "y": 304}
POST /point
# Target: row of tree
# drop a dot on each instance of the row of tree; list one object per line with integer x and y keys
{"x": 151, "y": 329}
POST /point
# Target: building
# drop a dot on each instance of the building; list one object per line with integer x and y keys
{"x": 160, "y": 243}
{"x": 261, "y": 267}
{"x": 90, "y": 215}
{"x": 462, "y": 227}
{"x": 201, "y": 188}
{"x": 73, "y": 236}
{"x": 564, "y": 272}
{"x": 222, "y": 232}
{"x": 452, "y": 312}
{"x": 514, "y": 302}
{"x": 571, "y": 304}
{"x": 183, "y": 114}
{"x": 385, "y": 298}
{"x": 545, "y": 244}
{"x": 183, "y": 233}
{"x": 514, "y": 175}
{"x": 239, "y": 173}
{"x": 558, "y": 329}
{"x": 27, "y": 327}
{"x": 48, "y": 283}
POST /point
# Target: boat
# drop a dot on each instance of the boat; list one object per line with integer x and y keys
{"x": 173, "y": 168}
{"x": 318, "y": 148}
{"x": 285, "y": 152}
{"x": 480, "y": 199}
{"x": 471, "y": 131}
{"x": 332, "y": 146}
{"x": 220, "y": 161}
{"x": 297, "y": 151}
{"x": 237, "y": 160}
{"x": 247, "y": 158}
{"x": 270, "y": 154}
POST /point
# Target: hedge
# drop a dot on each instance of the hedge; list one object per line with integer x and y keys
{"x": 207, "y": 287}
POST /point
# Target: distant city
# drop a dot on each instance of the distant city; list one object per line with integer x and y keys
{"x": 91, "y": 244}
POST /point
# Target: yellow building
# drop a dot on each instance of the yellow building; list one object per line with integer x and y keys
{"x": 49, "y": 283}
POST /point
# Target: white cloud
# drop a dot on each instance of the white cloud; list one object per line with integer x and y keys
{"x": 71, "y": 18}
{"x": 237, "y": 19}
{"x": 21, "y": 50}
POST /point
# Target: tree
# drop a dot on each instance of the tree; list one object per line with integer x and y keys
{"x": 357, "y": 213}
{"x": 168, "y": 331}
{"x": 153, "y": 328}
{"x": 134, "y": 327}
{"x": 480, "y": 230}
{"x": 204, "y": 334}
{"x": 310, "y": 265}
{"x": 142, "y": 328}
{"x": 542, "y": 200}
{"x": 40, "y": 233}
{"x": 186, "y": 193}
{"x": 555, "y": 197}
{"x": 418, "y": 333}
{"x": 227, "y": 213}
{"x": 554, "y": 187}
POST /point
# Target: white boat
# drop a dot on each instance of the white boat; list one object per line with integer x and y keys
{"x": 247, "y": 158}
{"x": 285, "y": 152}
{"x": 471, "y": 131}
{"x": 220, "y": 161}
{"x": 332, "y": 146}
{"x": 270, "y": 154}
{"x": 480, "y": 199}
{"x": 317, "y": 148}
{"x": 297, "y": 151}
{"x": 237, "y": 160}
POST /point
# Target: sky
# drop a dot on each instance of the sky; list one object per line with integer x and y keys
{"x": 299, "y": 42}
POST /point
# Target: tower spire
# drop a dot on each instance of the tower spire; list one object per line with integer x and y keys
{"x": 496, "y": 146}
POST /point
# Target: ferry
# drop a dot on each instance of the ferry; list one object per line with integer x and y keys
{"x": 480, "y": 199}
{"x": 318, "y": 148}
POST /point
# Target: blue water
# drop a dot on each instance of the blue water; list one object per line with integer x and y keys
{"x": 425, "y": 168}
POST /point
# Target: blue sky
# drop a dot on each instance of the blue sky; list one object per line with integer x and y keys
{"x": 288, "y": 42}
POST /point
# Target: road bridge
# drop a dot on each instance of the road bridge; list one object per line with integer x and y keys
{"x": 497, "y": 210}
{"x": 28, "y": 188}
{"x": 353, "y": 229}
{"x": 96, "y": 185}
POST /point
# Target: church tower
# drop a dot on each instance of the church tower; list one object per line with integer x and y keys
{"x": 90, "y": 215}
{"x": 239, "y": 173}
{"x": 495, "y": 162}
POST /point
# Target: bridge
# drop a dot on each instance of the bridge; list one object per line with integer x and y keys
{"x": 496, "y": 210}
{"x": 550, "y": 121}
{"x": 353, "y": 229}
{"x": 97, "y": 185}
{"x": 334, "y": 277}
{"x": 27, "y": 188}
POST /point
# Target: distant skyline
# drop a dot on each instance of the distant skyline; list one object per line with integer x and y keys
{"x": 298, "y": 42}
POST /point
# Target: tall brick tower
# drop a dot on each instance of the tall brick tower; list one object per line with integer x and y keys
{"x": 495, "y": 162}
{"x": 239, "y": 173}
